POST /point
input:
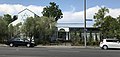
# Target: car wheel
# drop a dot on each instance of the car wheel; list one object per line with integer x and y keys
{"x": 28, "y": 45}
{"x": 105, "y": 47}
{"x": 11, "y": 45}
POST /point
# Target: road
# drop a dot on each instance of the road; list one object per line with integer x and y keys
{"x": 56, "y": 52}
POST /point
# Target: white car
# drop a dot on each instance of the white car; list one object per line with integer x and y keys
{"x": 109, "y": 43}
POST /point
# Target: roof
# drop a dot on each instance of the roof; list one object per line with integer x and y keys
{"x": 75, "y": 25}
{"x": 28, "y": 10}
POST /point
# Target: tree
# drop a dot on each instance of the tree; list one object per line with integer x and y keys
{"x": 8, "y": 18}
{"x": 118, "y": 27}
{"x": 110, "y": 27}
{"x": 75, "y": 38}
{"x": 41, "y": 28}
{"x": 17, "y": 30}
{"x": 45, "y": 27}
{"x": 29, "y": 27}
{"x": 11, "y": 30}
{"x": 3, "y": 29}
{"x": 100, "y": 18}
{"x": 6, "y": 29}
{"x": 52, "y": 11}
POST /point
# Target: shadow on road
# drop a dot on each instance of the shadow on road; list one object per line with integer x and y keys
{"x": 114, "y": 49}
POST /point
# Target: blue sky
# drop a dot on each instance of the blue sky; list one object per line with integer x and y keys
{"x": 72, "y": 9}
{"x": 66, "y": 5}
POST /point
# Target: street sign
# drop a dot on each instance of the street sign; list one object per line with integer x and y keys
{"x": 89, "y": 20}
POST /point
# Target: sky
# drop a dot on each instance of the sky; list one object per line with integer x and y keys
{"x": 72, "y": 9}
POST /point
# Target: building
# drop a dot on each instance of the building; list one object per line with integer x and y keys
{"x": 64, "y": 29}
{"x": 22, "y": 16}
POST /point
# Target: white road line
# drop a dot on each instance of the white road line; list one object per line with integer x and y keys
{"x": 61, "y": 51}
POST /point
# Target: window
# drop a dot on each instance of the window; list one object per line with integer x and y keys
{"x": 112, "y": 40}
{"x": 25, "y": 40}
{"x": 16, "y": 39}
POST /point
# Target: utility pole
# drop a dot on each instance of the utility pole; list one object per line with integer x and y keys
{"x": 85, "y": 23}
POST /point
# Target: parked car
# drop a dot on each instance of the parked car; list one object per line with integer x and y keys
{"x": 109, "y": 43}
{"x": 20, "y": 42}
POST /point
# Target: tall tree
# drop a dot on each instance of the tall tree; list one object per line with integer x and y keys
{"x": 29, "y": 27}
{"x": 17, "y": 30}
{"x": 41, "y": 28}
{"x": 11, "y": 30}
{"x": 100, "y": 15}
{"x": 8, "y": 18}
{"x": 53, "y": 11}
{"x": 110, "y": 27}
{"x": 3, "y": 29}
{"x": 118, "y": 27}
{"x": 100, "y": 18}
{"x": 6, "y": 29}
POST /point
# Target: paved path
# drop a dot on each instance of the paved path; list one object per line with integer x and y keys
{"x": 56, "y": 46}
{"x": 62, "y": 46}
{"x": 56, "y": 52}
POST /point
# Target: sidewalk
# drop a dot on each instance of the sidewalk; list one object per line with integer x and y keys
{"x": 57, "y": 46}
{"x": 62, "y": 46}
{"x": 3, "y": 45}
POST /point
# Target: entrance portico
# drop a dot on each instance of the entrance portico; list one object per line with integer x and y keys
{"x": 63, "y": 33}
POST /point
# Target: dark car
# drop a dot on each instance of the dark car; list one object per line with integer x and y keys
{"x": 20, "y": 42}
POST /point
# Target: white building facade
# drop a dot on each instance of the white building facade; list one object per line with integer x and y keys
{"x": 66, "y": 26}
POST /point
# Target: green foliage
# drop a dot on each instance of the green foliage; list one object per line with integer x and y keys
{"x": 17, "y": 30}
{"x": 11, "y": 30}
{"x": 40, "y": 28}
{"x": 90, "y": 40}
{"x": 9, "y": 19}
{"x": 30, "y": 26}
{"x": 3, "y": 30}
{"x": 118, "y": 27}
{"x": 75, "y": 38}
{"x": 6, "y": 29}
{"x": 91, "y": 37}
{"x": 14, "y": 31}
{"x": 52, "y": 11}
{"x": 108, "y": 25}
{"x": 99, "y": 16}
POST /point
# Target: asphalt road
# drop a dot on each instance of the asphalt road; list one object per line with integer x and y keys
{"x": 56, "y": 52}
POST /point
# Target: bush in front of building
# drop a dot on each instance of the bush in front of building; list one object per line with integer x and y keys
{"x": 93, "y": 43}
{"x": 76, "y": 40}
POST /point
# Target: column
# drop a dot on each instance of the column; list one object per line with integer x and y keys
{"x": 66, "y": 35}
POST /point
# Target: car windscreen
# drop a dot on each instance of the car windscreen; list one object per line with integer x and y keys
{"x": 25, "y": 40}
{"x": 112, "y": 40}
{"x": 16, "y": 39}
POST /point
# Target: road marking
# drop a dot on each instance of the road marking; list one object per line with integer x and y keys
{"x": 61, "y": 51}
